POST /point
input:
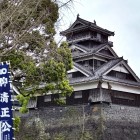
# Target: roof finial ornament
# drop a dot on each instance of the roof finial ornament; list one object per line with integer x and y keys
{"x": 78, "y": 15}
{"x": 95, "y": 22}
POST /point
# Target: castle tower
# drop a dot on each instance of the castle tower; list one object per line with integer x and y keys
{"x": 105, "y": 104}
{"x": 99, "y": 75}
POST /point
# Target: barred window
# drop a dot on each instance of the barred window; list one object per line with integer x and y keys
{"x": 78, "y": 94}
{"x": 120, "y": 75}
{"x": 47, "y": 98}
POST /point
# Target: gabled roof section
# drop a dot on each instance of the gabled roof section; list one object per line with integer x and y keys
{"x": 120, "y": 68}
{"x": 96, "y": 51}
{"x": 79, "y": 47}
{"x": 127, "y": 67}
{"x": 107, "y": 66}
{"x": 130, "y": 70}
{"x": 112, "y": 64}
{"x": 77, "y": 24}
{"x": 93, "y": 49}
{"x": 99, "y": 47}
{"x": 108, "y": 49}
{"x": 120, "y": 81}
{"x": 83, "y": 24}
{"x": 101, "y": 74}
{"x": 83, "y": 70}
{"x": 74, "y": 81}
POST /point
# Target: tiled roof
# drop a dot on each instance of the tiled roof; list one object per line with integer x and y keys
{"x": 83, "y": 47}
{"x": 93, "y": 49}
{"x": 90, "y": 51}
{"x": 94, "y": 25}
{"x": 74, "y": 81}
{"x": 115, "y": 79}
{"x": 84, "y": 69}
{"x": 83, "y": 55}
{"x": 87, "y": 25}
{"x": 99, "y": 71}
{"x": 83, "y": 79}
{"x": 98, "y": 74}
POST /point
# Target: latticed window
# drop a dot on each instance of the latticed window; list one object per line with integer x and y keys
{"x": 78, "y": 94}
{"x": 69, "y": 75}
{"x": 120, "y": 75}
{"x": 98, "y": 63}
{"x": 47, "y": 98}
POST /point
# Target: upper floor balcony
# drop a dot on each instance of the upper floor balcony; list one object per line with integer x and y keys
{"x": 83, "y": 37}
{"x": 78, "y": 38}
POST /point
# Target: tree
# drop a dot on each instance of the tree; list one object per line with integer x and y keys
{"x": 38, "y": 65}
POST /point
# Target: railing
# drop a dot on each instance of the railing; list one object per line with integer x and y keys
{"x": 79, "y": 38}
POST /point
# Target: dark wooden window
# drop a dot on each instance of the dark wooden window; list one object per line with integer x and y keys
{"x": 98, "y": 63}
{"x": 104, "y": 38}
{"x": 130, "y": 77}
{"x": 106, "y": 51}
{"x": 94, "y": 34}
{"x": 77, "y": 74}
{"x": 124, "y": 98}
{"x": 86, "y": 62}
{"x": 91, "y": 62}
{"x": 78, "y": 94}
{"x": 47, "y": 98}
{"x": 121, "y": 75}
{"x": 69, "y": 75}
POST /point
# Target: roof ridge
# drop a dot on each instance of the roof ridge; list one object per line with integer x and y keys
{"x": 91, "y": 23}
{"x": 87, "y": 25}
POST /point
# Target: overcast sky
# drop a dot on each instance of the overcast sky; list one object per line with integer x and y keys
{"x": 121, "y": 16}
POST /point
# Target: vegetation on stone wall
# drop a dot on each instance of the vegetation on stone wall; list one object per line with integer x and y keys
{"x": 72, "y": 123}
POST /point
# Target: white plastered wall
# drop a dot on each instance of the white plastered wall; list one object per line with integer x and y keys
{"x": 121, "y": 69}
{"x": 85, "y": 86}
{"x": 121, "y": 87}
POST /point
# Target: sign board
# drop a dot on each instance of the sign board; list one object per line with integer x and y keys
{"x": 6, "y": 122}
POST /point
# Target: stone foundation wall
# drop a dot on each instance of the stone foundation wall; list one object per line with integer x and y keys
{"x": 81, "y": 122}
{"x": 121, "y": 122}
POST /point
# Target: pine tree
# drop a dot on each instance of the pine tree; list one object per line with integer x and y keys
{"x": 38, "y": 65}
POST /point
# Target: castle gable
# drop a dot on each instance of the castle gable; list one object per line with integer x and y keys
{"x": 79, "y": 71}
{"x": 78, "y": 48}
{"x": 105, "y": 68}
{"x": 122, "y": 71}
{"x": 108, "y": 51}
{"x": 81, "y": 23}
{"x": 83, "y": 69}
{"x": 77, "y": 24}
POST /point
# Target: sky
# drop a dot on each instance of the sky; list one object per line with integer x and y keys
{"x": 120, "y": 16}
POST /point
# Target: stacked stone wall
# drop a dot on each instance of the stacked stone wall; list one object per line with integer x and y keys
{"x": 121, "y": 122}
{"x": 81, "y": 122}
